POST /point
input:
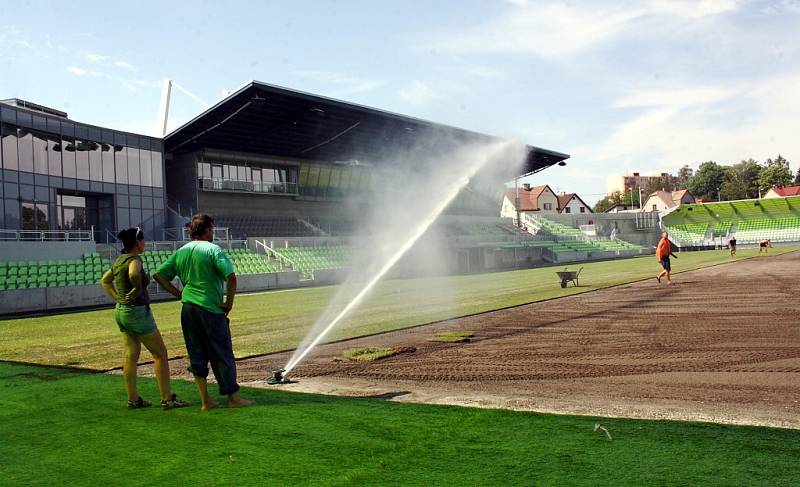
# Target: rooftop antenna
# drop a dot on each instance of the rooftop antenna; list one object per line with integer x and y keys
{"x": 166, "y": 94}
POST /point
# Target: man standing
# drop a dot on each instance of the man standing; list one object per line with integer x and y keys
{"x": 663, "y": 252}
{"x": 203, "y": 267}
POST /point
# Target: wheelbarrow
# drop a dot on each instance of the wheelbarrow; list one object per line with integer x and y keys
{"x": 567, "y": 276}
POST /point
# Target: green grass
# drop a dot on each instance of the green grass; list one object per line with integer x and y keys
{"x": 278, "y": 320}
{"x": 61, "y": 427}
{"x": 369, "y": 354}
{"x": 451, "y": 336}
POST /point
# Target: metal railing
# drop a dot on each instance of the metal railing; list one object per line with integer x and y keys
{"x": 47, "y": 235}
{"x": 221, "y": 184}
{"x": 269, "y": 250}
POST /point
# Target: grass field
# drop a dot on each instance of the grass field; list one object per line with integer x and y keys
{"x": 69, "y": 427}
{"x": 62, "y": 427}
{"x": 273, "y": 321}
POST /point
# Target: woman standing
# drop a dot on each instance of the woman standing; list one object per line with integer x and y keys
{"x": 126, "y": 282}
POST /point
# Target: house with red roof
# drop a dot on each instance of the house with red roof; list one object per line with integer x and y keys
{"x": 782, "y": 192}
{"x": 569, "y": 203}
{"x": 538, "y": 200}
{"x": 663, "y": 200}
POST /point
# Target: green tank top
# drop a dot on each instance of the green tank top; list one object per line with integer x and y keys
{"x": 122, "y": 281}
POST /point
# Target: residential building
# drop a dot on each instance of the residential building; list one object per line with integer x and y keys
{"x": 572, "y": 203}
{"x": 540, "y": 200}
{"x": 782, "y": 192}
{"x": 662, "y": 200}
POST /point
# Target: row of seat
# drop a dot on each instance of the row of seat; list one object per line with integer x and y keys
{"x": 34, "y": 274}
{"x": 311, "y": 258}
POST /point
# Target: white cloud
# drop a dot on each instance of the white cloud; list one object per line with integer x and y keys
{"x": 94, "y": 58}
{"x": 77, "y": 71}
{"x": 129, "y": 86}
{"x": 674, "y": 98}
{"x": 547, "y": 30}
{"x": 752, "y": 119}
{"x": 338, "y": 84}
{"x": 419, "y": 93}
{"x": 124, "y": 65}
{"x": 367, "y": 85}
{"x": 555, "y": 30}
{"x": 693, "y": 9}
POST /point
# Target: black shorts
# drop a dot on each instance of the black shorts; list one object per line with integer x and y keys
{"x": 665, "y": 264}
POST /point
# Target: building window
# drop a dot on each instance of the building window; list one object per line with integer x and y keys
{"x": 34, "y": 216}
{"x": 583, "y": 210}
{"x": 9, "y": 146}
{"x": 655, "y": 207}
{"x": 568, "y": 210}
{"x": 548, "y": 206}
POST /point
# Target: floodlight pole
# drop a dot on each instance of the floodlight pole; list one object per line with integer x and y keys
{"x": 516, "y": 202}
{"x": 166, "y": 93}
{"x": 163, "y": 112}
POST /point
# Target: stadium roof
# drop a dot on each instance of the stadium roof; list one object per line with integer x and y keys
{"x": 270, "y": 120}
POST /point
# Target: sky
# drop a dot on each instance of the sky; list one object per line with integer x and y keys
{"x": 644, "y": 86}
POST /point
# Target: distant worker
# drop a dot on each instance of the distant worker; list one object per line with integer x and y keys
{"x": 663, "y": 253}
{"x": 126, "y": 282}
{"x": 203, "y": 268}
{"x": 763, "y": 245}
{"x": 732, "y": 245}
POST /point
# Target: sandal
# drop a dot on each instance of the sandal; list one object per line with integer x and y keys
{"x": 139, "y": 403}
{"x": 173, "y": 402}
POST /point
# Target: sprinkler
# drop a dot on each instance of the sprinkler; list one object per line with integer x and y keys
{"x": 278, "y": 378}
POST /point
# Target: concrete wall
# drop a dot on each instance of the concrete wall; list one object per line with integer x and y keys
{"x": 509, "y": 258}
{"x": 262, "y": 282}
{"x": 324, "y": 277}
{"x": 70, "y": 297}
{"x": 44, "y": 250}
{"x": 52, "y": 299}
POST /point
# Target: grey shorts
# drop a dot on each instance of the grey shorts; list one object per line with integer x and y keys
{"x": 135, "y": 320}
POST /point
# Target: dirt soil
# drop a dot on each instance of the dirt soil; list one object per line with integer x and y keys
{"x": 721, "y": 344}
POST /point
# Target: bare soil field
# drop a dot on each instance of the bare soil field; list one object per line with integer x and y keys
{"x": 721, "y": 344}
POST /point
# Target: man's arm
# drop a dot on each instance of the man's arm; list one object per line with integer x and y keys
{"x": 230, "y": 285}
{"x": 167, "y": 285}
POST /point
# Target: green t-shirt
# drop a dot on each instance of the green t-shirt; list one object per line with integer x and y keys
{"x": 203, "y": 268}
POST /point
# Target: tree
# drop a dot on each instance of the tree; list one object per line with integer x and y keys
{"x": 604, "y": 204}
{"x": 609, "y": 202}
{"x": 741, "y": 181}
{"x": 797, "y": 178}
{"x": 666, "y": 182}
{"x": 707, "y": 181}
{"x": 683, "y": 177}
{"x": 775, "y": 173}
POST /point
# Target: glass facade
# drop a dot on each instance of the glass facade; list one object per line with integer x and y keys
{"x": 333, "y": 182}
{"x": 59, "y": 174}
{"x": 219, "y": 176}
{"x": 308, "y": 180}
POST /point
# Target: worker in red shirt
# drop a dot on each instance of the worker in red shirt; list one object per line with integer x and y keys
{"x": 663, "y": 253}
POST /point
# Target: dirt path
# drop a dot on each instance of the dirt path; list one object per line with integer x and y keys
{"x": 722, "y": 345}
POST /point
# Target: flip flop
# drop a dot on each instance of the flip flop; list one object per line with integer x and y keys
{"x": 139, "y": 403}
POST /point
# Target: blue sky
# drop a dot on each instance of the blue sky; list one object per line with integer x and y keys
{"x": 621, "y": 86}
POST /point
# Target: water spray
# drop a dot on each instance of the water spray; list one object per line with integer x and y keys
{"x": 279, "y": 375}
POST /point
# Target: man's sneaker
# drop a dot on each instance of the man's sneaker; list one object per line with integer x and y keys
{"x": 138, "y": 404}
{"x": 173, "y": 402}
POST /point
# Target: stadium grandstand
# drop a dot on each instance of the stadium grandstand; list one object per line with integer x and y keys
{"x": 749, "y": 221}
{"x": 286, "y": 174}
